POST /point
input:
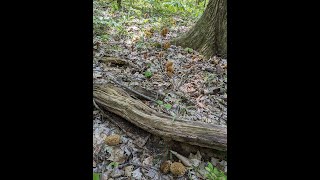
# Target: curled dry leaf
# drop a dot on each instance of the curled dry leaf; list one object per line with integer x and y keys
{"x": 136, "y": 174}
{"x": 128, "y": 171}
{"x": 117, "y": 155}
{"x": 187, "y": 88}
{"x": 147, "y": 161}
{"x": 150, "y": 173}
{"x": 183, "y": 159}
{"x": 195, "y": 162}
{"x": 201, "y": 105}
{"x": 145, "y": 55}
{"x": 195, "y": 156}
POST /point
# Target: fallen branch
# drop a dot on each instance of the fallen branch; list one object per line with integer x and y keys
{"x": 117, "y": 101}
{"x": 133, "y": 91}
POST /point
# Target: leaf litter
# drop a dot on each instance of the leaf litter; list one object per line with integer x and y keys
{"x": 197, "y": 91}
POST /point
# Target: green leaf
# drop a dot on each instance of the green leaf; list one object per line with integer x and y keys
{"x": 167, "y": 106}
{"x": 216, "y": 171}
{"x": 96, "y": 176}
{"x": 189, "y": 50}
{"x": 223, "y": 177}
{"x": 210, "y": 166}
{"x": 114, "y": 164}
{"x": 160, "y": 102}
{"x": 148, "y": 74}
{"x": 208, "y": 169}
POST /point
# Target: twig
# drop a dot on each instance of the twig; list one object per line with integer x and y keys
{"x": 183, "y": 79}
{"x": 96, "y": 106}
{"x": 142, "y": 95}
{"x": 144, "y": 166}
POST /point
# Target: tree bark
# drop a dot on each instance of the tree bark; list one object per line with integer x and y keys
{"x": 120, "y": 103}
{"x": 209, "y": 35}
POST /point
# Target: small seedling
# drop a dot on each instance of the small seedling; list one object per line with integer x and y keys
{"x": 160, "y": 102}
{"x": 114, "y": 164}
{"x": 188, "y": 50}
{"x": 167, "y": 106}
{"x": 214, "y": 173}
{"x": 148, "y": 74}
{"x": 96, "y": 176}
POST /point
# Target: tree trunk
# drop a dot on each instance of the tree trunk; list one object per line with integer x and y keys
{"x": 120, "y": 103}
{"x": 209, "y": 35}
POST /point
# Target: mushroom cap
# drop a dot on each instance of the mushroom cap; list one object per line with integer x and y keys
{"x": 177, "y": 169}
{"x": 113, "y": 140}
{"x": 165, "y": 167}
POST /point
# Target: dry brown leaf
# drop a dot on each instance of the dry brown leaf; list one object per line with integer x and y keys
{"x": 145, "y": 55}
{"x": 187, "y": 66}
{"x": 161, "y": 53}
{"x": 128, "y": 171}
{"x": 117, "y": 155}
{"x": 201, "y": 105}
{"x": 147, "y": 161}
{"x": 187, "y": 88}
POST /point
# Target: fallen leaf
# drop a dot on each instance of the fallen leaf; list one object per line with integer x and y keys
{"x": 201, "y": 105}
{"x": 117, "y": 155}
{"x": 147, "y": 161}
{"x": 128, "y": 171}
{"x": 117, "y": 173}
{"x": 145, "y": 55}
{"x": 136, "y": 174}
{"x": 183, "y": 159}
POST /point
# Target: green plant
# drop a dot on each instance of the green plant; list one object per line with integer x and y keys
{"x": 188, "y": 50}
{"x": 114, "y": 164}
{"x": 148, "y": 74}
{"x": 167, "y": 106}
{"x": 105, "y": 37}
{"x": 214, "y": 173}
{"x": 96, "y": 176}
{"x": 160, "y": 102}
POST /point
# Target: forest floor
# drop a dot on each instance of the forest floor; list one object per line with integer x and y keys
{"x": 141, "y": 36}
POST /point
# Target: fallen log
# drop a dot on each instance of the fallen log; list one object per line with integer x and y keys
{"x": 117, "y": 101}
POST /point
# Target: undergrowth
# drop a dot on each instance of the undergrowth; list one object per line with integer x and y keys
{"x": 110, "y": 20}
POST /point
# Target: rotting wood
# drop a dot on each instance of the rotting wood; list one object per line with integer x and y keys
{"x": 115, "y": 100}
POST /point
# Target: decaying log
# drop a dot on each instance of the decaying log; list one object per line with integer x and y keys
{"x": 117, "y": 101}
